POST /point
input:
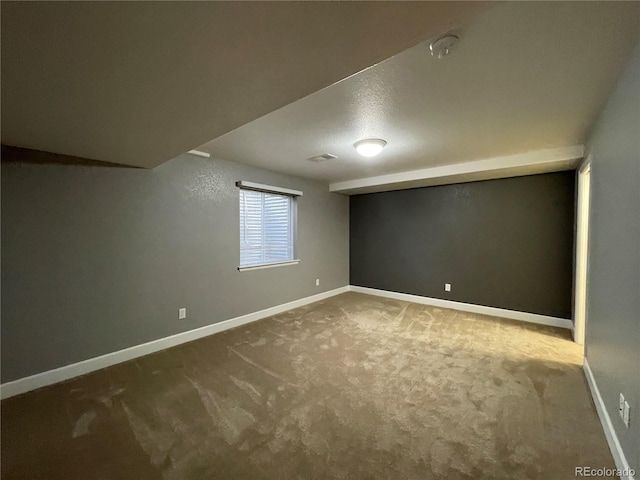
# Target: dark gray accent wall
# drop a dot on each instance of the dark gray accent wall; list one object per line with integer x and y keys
{"x": 97, "y": 259}
{"x": 613, "y": 281}
{"x": 504, "y": 243}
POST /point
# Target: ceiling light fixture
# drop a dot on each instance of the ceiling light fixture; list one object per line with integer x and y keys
{"x": 369, "y": 147}
{"x": 199, "y": 153}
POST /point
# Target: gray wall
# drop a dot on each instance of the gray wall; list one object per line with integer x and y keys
{"x": 613, "y": 306}
{"x": 504, "y": 243}
{"x": 97, "y": 259}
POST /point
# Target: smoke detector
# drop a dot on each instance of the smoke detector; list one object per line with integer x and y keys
{"x": 444, "y": 45}
{"x": 322, "y": 158}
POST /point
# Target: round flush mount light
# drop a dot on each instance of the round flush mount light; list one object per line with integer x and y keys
{"x": 369, "y": 147}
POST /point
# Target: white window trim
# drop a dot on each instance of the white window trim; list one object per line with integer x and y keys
{"x": 268, "y": 188}
{"x": 269, "y": 265}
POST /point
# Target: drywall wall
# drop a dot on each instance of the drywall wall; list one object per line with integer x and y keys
{"x": 504, "y": 243}
{"x": 96, "y": 259}
{"x": 613, "y": 281}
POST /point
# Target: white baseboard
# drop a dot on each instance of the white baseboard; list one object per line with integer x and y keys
{"x": 50, "y": 377}
{"x": 468, "y": 307}
{"x": 57, "y": 375}
{"x": 607, "y": 426}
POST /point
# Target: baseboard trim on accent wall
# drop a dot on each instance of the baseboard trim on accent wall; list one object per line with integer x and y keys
{"x": 57, "y": 375}
{"x": 612, "y": 439}
{"x": 468, "y": 307}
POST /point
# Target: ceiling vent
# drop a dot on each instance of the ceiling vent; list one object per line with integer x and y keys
{"x": 322, "y": 158}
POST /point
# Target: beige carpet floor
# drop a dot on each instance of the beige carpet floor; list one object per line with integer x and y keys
{"x": 353, "y": 387}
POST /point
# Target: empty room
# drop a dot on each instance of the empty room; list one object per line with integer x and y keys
{"x": 320, "y": 240}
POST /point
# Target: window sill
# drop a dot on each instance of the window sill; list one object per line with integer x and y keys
{"x": 268, "y": 265}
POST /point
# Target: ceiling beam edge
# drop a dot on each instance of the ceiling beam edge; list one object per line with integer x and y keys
{"x": 474, "y": 170}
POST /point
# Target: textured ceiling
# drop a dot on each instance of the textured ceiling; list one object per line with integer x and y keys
{"x": 525, "y": 76}
{"x": 139, "y": 83}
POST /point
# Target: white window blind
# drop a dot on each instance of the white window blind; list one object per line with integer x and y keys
{"x": 267, "y": 228}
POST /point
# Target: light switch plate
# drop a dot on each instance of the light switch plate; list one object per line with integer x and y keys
{"x": 626, "y": 413}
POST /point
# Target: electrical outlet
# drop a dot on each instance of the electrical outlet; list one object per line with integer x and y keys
{"x": 621, "y": 406}
{"x": 626, "y": 413}
{"x": 317, "y": 282}
{"x": 447, "y": 287}
{"x": 182, "y": 313}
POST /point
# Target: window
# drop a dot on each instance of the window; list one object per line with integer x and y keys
{"x": 267, "y": 226}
